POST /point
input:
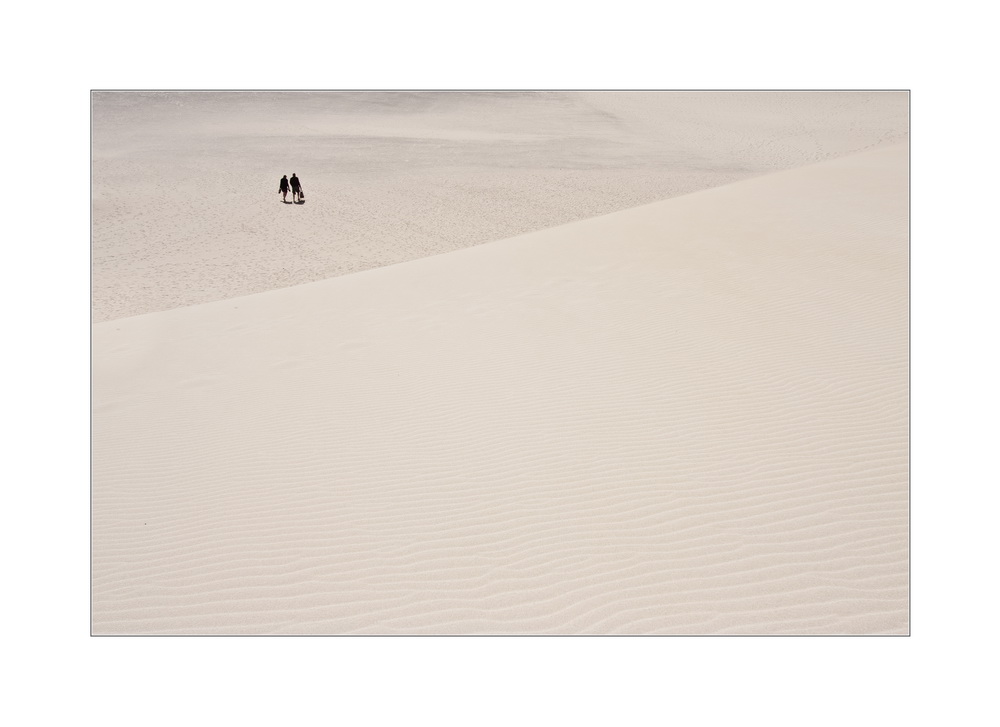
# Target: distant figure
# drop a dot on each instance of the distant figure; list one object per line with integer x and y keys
{"x": 283, "y": 188}
{"x": 296, "y": 189}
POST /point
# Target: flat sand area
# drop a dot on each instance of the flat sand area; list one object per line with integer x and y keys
{"x": 185, "y": 185}
{"x": 683, "y": 417}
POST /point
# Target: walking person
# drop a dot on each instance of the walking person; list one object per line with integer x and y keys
{"x": 283, "y": 188}
{"x": 296, "y": 188}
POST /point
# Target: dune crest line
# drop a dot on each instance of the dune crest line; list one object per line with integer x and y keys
{"x": 185, "y": 199}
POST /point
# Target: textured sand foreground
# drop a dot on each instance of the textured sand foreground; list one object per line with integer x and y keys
{"x": 185, "y": 185}
{"x": 686, "y": 417}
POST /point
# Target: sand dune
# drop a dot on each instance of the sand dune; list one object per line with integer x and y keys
{"x": 185, "y": 185}
{"x": 684, "y": 417}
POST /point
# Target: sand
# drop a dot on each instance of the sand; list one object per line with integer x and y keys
{"x": 185, "y": 185}
{"x": 684, "y": 417}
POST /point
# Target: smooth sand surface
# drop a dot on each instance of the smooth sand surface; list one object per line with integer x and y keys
{"x": 185, "y": 185}
{"x": 684, "y": 417}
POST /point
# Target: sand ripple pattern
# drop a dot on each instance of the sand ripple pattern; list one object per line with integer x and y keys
{"x": 687, "y": 417}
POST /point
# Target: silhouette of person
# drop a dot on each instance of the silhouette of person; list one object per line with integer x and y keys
{"x": 296, "y": 187}
{"x": 283, "y": 188}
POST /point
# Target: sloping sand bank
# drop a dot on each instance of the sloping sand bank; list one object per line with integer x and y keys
{"x": 686, "y": 417}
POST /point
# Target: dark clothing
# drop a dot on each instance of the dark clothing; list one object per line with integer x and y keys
{"x": 283, "y": 185}
{"x": 295, "y": 183}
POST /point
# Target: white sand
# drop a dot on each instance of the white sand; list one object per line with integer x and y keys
{"x": 686, "y": 417}
{"x": 185, "y": 186}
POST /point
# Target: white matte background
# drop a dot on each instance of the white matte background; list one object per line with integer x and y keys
{"x": 58, "y": 674}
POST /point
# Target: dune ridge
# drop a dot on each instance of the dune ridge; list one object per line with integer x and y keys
{"x": 685, "y": 417}
{"x": 185, "y": 185}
